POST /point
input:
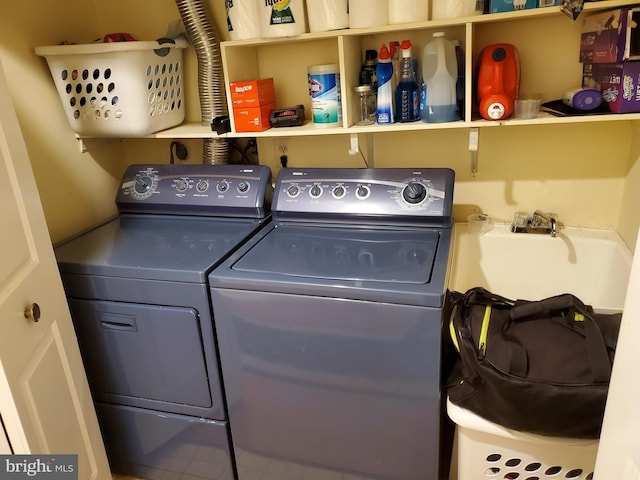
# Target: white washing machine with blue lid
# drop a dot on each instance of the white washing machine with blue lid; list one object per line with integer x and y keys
{"x": 138, "y": 294}
{"x": 330, "y": 325}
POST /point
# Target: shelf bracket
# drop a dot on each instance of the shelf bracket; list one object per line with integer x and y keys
{"x": 85, "y": 142}
{"x": 473, "y": 150}
{"x": 354, "y": 148}
{"x": 354, "y": 145}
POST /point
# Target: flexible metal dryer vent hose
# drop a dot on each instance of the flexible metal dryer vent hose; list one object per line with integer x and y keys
{"x": 204, "y": 37}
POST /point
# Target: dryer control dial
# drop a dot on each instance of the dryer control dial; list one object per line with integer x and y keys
{"x": 182, "y": 185}
{"x": 144, "y": 185}
{"x": 202, "y": 186}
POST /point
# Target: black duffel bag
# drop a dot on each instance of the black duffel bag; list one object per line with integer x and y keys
{"x": 534, "y": 366}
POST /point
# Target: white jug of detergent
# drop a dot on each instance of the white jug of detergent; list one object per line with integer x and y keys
{"x": 440, "y": 73}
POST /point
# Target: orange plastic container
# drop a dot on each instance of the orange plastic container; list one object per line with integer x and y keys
{"x": 498, "y": 80}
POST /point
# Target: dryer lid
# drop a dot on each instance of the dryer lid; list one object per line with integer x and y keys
{"x": 155, "y": 247}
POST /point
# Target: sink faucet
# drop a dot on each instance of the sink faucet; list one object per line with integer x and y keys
{"x": 538, "y": 222}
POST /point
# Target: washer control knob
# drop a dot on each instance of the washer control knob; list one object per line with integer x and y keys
{"x": 414, "y": 193}
{"x": 339, "y": 191}
{"x": 243, "y": 187}
{"x": 315, "y": 191}
{"x": 222, "y": 186}
{"x": 363, "y": 191}
{"x": 293, "y": 191}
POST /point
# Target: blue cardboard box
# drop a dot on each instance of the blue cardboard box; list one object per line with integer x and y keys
{"x": 511, "y": 5}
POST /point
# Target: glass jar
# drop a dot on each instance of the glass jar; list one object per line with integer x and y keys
{"x": 367, "y": 105}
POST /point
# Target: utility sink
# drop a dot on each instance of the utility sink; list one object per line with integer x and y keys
{"x": 593, "y": 265}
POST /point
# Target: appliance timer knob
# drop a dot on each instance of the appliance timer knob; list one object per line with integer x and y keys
{"x": 362, "y": 192}
{"x": 182, "y": 185}
{"x": 144, "y": 186}
{"x": 414, "y": 193}
{"x": 293, "y": 191}
{"x": 243, "y": 187}
{"x": 315, "y": 191}
{"x": 202, "y": 186}
{"x": 222, "y": 186}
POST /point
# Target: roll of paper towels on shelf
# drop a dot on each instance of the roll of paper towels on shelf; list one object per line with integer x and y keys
{"x": 242, "y": 19}
{"x": 455, "y": 8}
{"x": 368, "y": 13}
{"x": 282, "y": 18}
{"x": 408, "y": 11}
{"x": 327, "y": 15}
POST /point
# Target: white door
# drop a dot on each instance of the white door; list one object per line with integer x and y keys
{"x": 619, "y": 449}
{"x": 45, "y": 402}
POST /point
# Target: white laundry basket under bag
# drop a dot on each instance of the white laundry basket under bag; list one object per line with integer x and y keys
{"x": 484, "y": 450}
{"x": 120, "y": 89}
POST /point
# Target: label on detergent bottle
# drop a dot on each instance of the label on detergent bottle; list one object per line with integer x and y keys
{"x": 280, "y": 11}
{"x": 324, "y": 90}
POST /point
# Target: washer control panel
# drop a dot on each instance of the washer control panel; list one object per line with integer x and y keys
{"x": 196, "y": 189}
{"x": 372, "y": 194}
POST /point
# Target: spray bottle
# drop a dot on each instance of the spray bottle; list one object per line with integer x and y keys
{"x": 407, "y": 101}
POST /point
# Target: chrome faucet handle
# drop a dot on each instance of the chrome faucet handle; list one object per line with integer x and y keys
{"x": 538, "y": 222}
{"x": 549, "y": 219}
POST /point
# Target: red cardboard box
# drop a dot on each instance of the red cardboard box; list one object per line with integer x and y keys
{"x": 252, "y": 93}
{"x": 610, "y": 37}
{"x": 618, "y": 82}
{"x": 253, "y": 119}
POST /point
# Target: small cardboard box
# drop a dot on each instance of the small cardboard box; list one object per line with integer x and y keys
{"x": 618, "y": 82}
{"x": 611, "y": 36}
{"x": 511, "y": 5}
{"x": 252, "y": 93}
{"x": 253, "y": 119}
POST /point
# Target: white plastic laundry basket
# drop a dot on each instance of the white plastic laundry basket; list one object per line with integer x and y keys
{"x": 122, "y": 89}
{"x": 486, "y": 451}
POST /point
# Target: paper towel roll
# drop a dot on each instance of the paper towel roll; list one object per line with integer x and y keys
{"x": 408, "y": 11}
{"x": 281, "y": 18}
{"x": 242, "y": 19}
{"x": 326, "y": 15}
{"x": 454, "y": 9}
{"x": 368, "y": 13}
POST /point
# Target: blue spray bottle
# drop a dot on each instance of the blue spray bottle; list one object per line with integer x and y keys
{"x": 384, "y": 72}
{"x": 407, "y": 95}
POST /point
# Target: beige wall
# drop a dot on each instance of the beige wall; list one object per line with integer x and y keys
{"x": 586, "y": 173}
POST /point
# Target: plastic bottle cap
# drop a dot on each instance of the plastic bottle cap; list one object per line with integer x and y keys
{"x": 384, "y": 53}
{"x": 406, "y": 49}
{"x": 438, "y": 34}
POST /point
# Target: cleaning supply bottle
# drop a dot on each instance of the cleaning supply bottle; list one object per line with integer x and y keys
{"x": 407, "y": 101}
{"x": 423, "y": 99}
{"x": 440, "y": 72}
{"x": 368, "y": 70}
{"x": 384, "y": 72}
